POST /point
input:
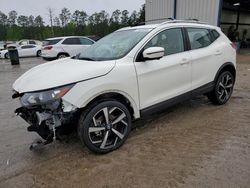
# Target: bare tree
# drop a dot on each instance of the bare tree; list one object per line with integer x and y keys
{"x": 51, "y": 18}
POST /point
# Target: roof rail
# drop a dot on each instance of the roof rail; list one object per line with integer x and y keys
{"x": 183, "y": 21}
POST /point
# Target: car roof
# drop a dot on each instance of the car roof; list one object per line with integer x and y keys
{"x": 170, "y": 24}
{"x": 150, "y": 26}
{"x": 54, "y": 38}
{"x": 27, "y": 40}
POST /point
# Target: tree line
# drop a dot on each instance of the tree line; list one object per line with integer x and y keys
{"x": 16, "y": 27}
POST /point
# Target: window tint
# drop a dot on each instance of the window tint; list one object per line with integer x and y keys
{"x": 85, "y": 41}
{"x": 215, "y": 34}
{"x": 171, "y": 40}
{"x": 71, "y": 41}
{"x": 199, "y": 38}
{"x": 27, "y": 46}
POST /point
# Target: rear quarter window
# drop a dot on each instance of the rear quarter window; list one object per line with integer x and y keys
{"x": 215, "y": 34}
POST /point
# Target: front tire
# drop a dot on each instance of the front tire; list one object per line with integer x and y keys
{"x": 7, "y": 56}
{"x": 223, "y": 88}
{"x": 39, "y": 53}
{"x": 105, "y": 127}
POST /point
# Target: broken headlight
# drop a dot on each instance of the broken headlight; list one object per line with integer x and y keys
{"x": 43, "y": 97}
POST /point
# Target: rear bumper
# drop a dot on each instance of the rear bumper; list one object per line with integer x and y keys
{"x": 49, "y": 54}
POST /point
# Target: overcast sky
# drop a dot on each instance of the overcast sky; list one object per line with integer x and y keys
{"x": 36, "y": 7}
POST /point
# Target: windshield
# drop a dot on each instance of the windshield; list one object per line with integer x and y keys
{"x": 114, "y": 46}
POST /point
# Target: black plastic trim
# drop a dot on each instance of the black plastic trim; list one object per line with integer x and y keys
{"x": 186, "y": 39}
{"x": 223, "y": 66}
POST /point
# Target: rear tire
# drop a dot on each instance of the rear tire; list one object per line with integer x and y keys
{"x": 61, "y": 56}
{"x": 105, "y": 126}
{"x": 223, "y": 88}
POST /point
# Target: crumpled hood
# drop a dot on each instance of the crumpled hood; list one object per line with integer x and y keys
{"x": 59, "y": 73}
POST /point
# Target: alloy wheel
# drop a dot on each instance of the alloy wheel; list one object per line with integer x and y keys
{"x": 109, "y": 127}
{"x": 225, "y": 87}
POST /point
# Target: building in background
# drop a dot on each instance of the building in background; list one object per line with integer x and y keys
{"x": 231, "y": 15}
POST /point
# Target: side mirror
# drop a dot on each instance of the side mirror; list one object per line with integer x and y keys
{"x": 154, "y": 53}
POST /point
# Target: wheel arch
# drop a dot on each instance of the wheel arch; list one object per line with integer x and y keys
{"x": 63, "y": 53}
{"x": 118, "y": 96}
{"x": 228, "y": 66}
{"x": 6, "y": 55}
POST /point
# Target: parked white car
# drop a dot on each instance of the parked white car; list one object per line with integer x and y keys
{"x": 29, "y": 50}
{"x": 126, "y": 75}
{"x": 61, "y": 47}
{"x": 24, "y": 42}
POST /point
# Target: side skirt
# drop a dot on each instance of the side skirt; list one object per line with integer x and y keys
{"x": 171, "y": 102}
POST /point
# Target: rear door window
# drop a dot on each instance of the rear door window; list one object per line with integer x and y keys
{"x": 199, "y": 38}
{"x": 71, "y": 41}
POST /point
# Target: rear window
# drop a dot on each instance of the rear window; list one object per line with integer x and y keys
{"x": 51, "y": 42}
{"x": 32, "y": 42}
{"x": 94, "y": 38}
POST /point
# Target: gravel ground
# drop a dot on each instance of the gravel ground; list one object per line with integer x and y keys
{"x": 194, "y": 144}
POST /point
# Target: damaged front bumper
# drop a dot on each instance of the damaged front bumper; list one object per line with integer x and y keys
{"x": 50, "y": 120}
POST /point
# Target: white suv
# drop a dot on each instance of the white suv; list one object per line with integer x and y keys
{"x": 128, "y": 74}
{"x": 61, "y": 47}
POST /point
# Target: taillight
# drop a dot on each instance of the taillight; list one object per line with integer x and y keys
{"x": 48, "y": 47}
{"x": 233, "y": 44}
